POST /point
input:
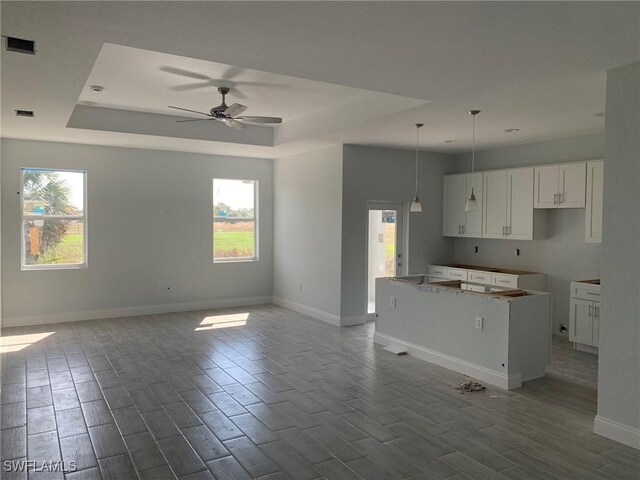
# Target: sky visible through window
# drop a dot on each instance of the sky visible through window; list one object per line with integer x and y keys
{"x": 237, "y": 194}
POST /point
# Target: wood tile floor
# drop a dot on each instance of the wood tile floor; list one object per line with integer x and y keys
{"x": 276, "y": 395}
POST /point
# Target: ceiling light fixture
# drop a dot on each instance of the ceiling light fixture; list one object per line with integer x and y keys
{"x": 416, "y": 206}
{"x": 472, "y": 203}
{"x": 512, "y": 130}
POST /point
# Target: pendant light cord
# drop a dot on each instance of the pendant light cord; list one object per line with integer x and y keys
{"x": 473, "y": 145}
{"x": 417, "y": 147}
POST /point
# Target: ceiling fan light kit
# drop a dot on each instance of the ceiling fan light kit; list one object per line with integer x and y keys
{"x": 416, "y": 206}
{"x": 228, "y": 114}
{"x": 472, "y": 202}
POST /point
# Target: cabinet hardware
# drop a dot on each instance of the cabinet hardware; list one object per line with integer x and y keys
{"x": 561, "y": 198}
{"x": 597, "y": 309}
{"x": 591, "y": 310}
{"x": 555, "y": 198}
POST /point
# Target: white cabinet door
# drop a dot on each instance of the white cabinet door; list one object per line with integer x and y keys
{"x": 595, "y": 196}
{"x": 453, "y": 201}
{"x": 520, "y": 205}
{"x": 495, "y": 197}
{"x": 473, "y": 220}
{"x": 546, "y": 187}
{"x": 581, "y": 321}
{"x": 572, "y": 185}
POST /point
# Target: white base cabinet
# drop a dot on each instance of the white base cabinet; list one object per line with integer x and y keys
{"x": 498, "y": 277}
{"x": 584, "y": 314}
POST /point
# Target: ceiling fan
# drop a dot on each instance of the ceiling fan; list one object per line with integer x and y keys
{"x": 228, "y": 114}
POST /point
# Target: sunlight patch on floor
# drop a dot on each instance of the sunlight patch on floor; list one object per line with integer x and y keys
{"x": 15, "y": 343}
{"x": 214, "y": 322}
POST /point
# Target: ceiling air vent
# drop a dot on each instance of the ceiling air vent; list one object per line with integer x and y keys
{"x": 21, "y": 45}
{"x": 24, "y": 113}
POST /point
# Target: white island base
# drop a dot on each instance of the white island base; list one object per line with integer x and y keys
{"x": 493, "y": 337}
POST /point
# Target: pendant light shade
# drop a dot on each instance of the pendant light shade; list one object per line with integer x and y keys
{"x": 416, "y": 206}
{"x": 472, "y": 202}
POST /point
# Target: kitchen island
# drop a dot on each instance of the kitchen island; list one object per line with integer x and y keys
{"x": 497, "y": 335}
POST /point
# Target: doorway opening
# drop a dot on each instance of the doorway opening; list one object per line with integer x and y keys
{"x": 384, "y": 247}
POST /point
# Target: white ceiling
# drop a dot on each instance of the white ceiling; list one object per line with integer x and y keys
{"x": 352, "y": 72}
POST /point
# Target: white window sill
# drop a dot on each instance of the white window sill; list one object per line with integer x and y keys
{"x": 26, "y": 268}
{"x": 235, "y": 260}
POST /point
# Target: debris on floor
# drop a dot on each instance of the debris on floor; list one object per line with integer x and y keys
{"x": 470, "y": 387}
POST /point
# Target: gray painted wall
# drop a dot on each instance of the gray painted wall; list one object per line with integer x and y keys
{"x": 619, "y": 367}
{"x": 149, "y": 218}
{"x": 307, "y": 231}
{"x": 382, "y": 174}
{"x": 564, "y": 256}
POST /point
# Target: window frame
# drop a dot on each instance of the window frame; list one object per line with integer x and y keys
{"x": 256, "y": 230}
{"x": 83, "y": 218}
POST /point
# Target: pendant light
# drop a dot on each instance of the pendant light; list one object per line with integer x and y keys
{"x": 472, "y": 203}
{"x": 416, "y": 206}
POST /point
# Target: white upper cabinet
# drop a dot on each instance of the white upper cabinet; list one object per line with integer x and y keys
{"x": 453, "y": 205}
{"x": 508, "y": 205}
{"x": 495, "y": 200}
{"x": 595, "y": 197}
{"x": 456, "y": 222}
{"x": 560, "y": 186}
{"x": 520, "y": 204}
{"x": 473, "y": 219}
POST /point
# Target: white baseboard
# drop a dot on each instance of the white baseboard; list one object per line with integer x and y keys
{"x": 506, "y": 382}
{"x": 617, "y": 431}
{"x": 132, "y": 311}
{"x": 310, "y": 311}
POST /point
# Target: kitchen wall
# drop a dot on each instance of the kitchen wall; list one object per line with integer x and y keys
{"x": 307, "y": 232}
{"x": 564, "y": 255}
{"x": 619, "y": 361}
{"x": 373, "y": 174}
{"x": 149, "y": 217}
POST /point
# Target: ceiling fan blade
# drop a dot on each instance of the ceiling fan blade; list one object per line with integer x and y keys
{"x": 235, "y": 109}
{"x": 193, "y": 120}
{"x": 185, "y": 73}
{"x": 230, "y": 122}
{"x": 187, "y": 110}
{"x": 260, "y": 119}
{"x": 232, "y": 72}
{"x": 192, "y": 86}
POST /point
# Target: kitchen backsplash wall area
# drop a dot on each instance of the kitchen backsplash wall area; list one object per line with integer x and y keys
{"x": 563, "y": 255}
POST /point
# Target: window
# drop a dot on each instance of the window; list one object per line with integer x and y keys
{"x": 53, "y": 219}
{"x": 235, "y": 233}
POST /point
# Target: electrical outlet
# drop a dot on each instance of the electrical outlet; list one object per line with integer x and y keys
{"x": 479, "y": 323}
{"x": 392, "y": 302}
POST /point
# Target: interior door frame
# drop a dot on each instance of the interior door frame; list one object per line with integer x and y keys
{"x": 402, "y": 239}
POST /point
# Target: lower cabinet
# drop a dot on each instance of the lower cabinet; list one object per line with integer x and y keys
{"x": 584, "y": 322}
